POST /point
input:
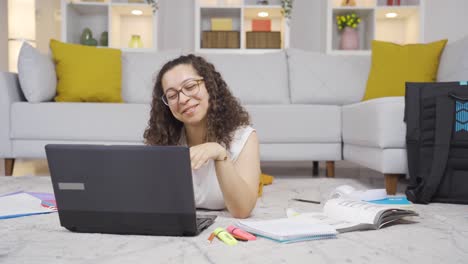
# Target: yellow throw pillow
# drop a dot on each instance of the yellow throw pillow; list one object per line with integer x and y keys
{"x": 393, "y": 65}
{"x": 87, "y": 74}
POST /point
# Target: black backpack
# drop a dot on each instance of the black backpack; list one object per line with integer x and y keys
{"x": 436, "y": 116}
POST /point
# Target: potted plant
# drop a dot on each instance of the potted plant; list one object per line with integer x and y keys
{"x": 348, "y": 24}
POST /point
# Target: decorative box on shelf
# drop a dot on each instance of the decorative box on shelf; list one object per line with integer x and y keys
{"x": 261, "y": 25}
{"x": 220, "y": 39}
{"x": 221, "y": 24}
{"x": 263, "y": 40}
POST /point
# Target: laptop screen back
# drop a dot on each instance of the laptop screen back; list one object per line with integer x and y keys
{"x": 131, "y": 186}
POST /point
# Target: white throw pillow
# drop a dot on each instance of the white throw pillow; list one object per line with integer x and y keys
{"x": 36, "y": 74}
{"x": 453, "y": 64}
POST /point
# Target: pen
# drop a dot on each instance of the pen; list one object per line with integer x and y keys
{"x": 306, "y": 201}
{"x": 210, "y": 239}
{"x": 224, "y": 236}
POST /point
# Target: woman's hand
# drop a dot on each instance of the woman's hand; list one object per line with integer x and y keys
{"x": 201, "y": 154}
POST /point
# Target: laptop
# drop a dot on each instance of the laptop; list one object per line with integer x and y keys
{"x": 125, "y": 189}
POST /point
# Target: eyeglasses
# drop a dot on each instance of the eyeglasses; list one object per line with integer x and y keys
{"x": 189, "y": 89}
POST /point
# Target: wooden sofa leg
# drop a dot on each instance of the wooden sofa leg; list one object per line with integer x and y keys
{"x": 315, "y": 168}
{"x": 9, "y": 164}
{"x": 330, "y": 169}
{"x": 391, "y": 183}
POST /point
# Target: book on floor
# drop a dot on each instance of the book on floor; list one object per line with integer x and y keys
{"x": 287, "y": 230}
{"x": 347, "y": 215}
{"x": 395, "y": 201}
{"x": 23, "y": 204}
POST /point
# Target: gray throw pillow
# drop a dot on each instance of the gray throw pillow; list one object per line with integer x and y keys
{"x": 36, "y": 73}
{"x": 453, "y": 64}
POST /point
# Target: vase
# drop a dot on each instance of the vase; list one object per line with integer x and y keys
{"x": 349, "y": 39}
{"x": 104, "y": 40}
{"x": 135, "y": 42}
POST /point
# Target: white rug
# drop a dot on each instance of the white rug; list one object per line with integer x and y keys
{"x": 439, "y": 236}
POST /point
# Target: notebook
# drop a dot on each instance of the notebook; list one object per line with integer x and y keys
{"x": 22, "y": 204}
{"x": 287, "y": 230}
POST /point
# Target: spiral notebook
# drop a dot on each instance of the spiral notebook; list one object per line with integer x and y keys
{"x": 288, "y": 230}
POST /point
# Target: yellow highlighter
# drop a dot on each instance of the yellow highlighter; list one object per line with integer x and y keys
{"x": 224, "y": 236}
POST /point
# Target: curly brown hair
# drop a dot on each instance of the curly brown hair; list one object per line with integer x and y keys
{"x": 225, "y": 113}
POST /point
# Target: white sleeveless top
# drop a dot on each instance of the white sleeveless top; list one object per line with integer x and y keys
{"x": 206, "y": 188}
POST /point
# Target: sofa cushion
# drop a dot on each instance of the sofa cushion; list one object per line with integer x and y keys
{"x": 79, "y": 121}
{"x": 139, "y": 71}
{"x": 318, "y": 78}
{"x": 393, "y": 65}
{"x": 87, "y": 74}
{"x": 375, "y": 123}
{"x": 296, "y": 123}
{"x": 36, "y": 73}
{"x": 254, "y": 78}
{"x": 454, "y": 62}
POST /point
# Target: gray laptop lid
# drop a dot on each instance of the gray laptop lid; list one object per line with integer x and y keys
{"x": 123, "y": 189}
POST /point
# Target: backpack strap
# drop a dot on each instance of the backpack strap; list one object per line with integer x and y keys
{"x": 445, "y": 111}
{"x": 413, "y": 131}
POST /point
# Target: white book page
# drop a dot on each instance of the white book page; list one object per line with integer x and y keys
{"x": 21, "y": 203}
{"x": 353, "y": 210}
{"x": 321, "y": 218}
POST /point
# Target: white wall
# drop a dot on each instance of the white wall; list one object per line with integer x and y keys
{"x": 445, "y": 19}
{"x": 47, "y": 23}
{"x": 3, "y": 36}
{"x": 308, "y": 25}
{"x": 175, "y": 25}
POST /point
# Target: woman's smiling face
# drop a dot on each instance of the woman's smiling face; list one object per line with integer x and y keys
{"x": 190, "y": 110}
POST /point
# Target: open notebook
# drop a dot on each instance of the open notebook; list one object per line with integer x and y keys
{"x": 288, "y": 230}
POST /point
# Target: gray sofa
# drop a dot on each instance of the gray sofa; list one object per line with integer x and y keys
{"x": 297, "y": 114}
{"x": 305, "y": 106}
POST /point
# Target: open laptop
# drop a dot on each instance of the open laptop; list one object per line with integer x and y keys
{"x": 125, "y": 189}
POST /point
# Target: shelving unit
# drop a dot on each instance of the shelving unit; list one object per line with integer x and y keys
{"x": 240, "y": 37}
{"x": 405, "y": 28}
{"x": 113, "y": 16}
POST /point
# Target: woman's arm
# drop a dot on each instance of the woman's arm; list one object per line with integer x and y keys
{"x": 238, "y": 180}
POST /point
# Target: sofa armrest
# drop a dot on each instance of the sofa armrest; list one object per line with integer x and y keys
{"x": 10, "y": 92}
{"x": 376, "y": 123}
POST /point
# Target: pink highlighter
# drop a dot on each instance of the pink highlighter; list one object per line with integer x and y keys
{"x": 240, "y": 234}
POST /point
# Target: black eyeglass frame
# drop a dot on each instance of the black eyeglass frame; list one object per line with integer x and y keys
{"x": 181, "y": 90}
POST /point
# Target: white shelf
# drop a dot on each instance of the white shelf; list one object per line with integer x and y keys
{"x": 241, "y": 12}
{"x": 115, "y": 17}
{"x": 238, "y": 51}
{"x": 407, "y": 27}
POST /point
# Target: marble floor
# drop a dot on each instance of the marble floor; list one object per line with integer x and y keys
{"x": 438, "y": 235}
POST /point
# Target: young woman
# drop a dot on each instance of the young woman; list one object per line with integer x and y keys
{"x": 193, "y": 106}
